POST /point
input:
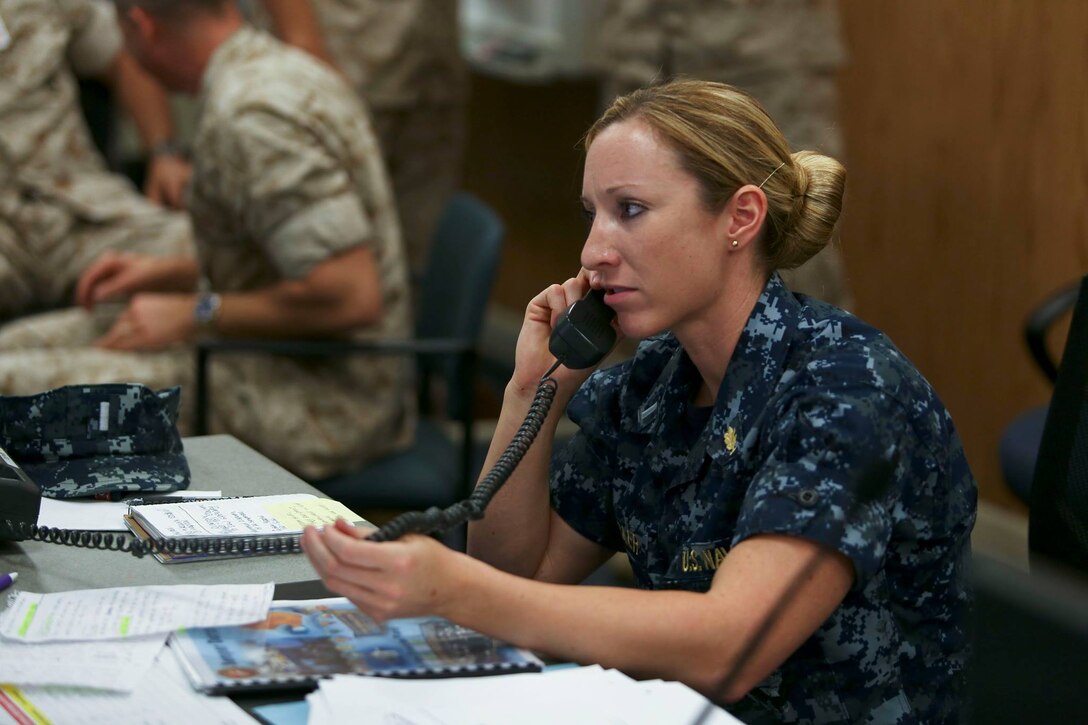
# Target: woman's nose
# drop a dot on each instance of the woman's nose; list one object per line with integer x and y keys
{"x": 598, "y": 250}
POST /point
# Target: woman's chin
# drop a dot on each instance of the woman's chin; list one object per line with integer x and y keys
{"x": 636, "y": 329}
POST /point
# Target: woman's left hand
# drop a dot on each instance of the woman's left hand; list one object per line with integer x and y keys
{"x": 410, "y": 577}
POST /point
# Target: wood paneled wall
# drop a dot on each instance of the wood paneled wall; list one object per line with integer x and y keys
{"x": 967, "y": 139}
{"x": 966, "y": 128}
{"x": 524, "y": 157}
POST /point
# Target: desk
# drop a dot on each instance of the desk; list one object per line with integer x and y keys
{"x": 218, "y": 462}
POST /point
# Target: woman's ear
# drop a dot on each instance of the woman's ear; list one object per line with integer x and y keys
{"x": 744, "y": 215}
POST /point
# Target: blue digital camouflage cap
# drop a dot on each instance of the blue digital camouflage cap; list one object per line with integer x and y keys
{"x": 86, "y": 440}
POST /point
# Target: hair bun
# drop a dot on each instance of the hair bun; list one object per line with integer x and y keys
{"x": 816, "y": 201}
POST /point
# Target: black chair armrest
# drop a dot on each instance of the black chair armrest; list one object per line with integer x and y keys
{"x": 1040, "y": 320}
{"x": 318, "y": 348}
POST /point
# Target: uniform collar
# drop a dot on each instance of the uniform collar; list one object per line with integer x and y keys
{"x": 756, "y": 368}
{"x": 231, "y": 49}
{"x": 750, "y": 379}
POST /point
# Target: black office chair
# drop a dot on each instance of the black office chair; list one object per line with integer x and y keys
{"x": 438, "y": 469}
{"x": 1058, "y": 524}
{"x": 1019, "y": 446}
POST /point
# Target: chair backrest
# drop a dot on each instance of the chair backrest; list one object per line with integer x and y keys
{"x": 455, "y": 289}
{"x": 1042, "y": 318}
{"x": 1058, "y": 526}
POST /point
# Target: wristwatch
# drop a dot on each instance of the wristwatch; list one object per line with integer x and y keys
{"x": 167, "y": 148}
{"x": 207, "y": 310}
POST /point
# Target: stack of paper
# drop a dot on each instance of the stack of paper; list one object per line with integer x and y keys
{"x": 581, "y": 694}
{"x": 163, "y": 697}
{"x": 85, "y": 656}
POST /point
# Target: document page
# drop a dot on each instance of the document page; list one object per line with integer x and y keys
{"x": 116, "y": 665}
{"x": 121, "y": 612}
{"x": 91, "y": 515}
{"x": 252, "y": 516}
{"x": 163, "y": 696}
{"x": 579, "y": 694}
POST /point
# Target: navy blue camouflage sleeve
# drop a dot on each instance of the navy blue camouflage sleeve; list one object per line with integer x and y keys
{"x": 582, "y": 469}
{"x": 819, "y": 444}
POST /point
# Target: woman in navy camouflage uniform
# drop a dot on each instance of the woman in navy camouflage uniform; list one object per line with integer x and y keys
{"x": 723, "y": 458}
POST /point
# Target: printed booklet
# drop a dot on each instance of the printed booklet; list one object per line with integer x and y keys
{"x": 301, "y": 642}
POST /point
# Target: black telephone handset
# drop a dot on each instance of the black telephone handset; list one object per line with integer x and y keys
{"x": 20, "y": 499}
{"x": 584, "y": 334}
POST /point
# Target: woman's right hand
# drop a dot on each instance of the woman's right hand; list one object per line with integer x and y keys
{"x": 532, "y": 358}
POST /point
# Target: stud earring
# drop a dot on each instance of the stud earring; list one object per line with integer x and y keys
{"x": 735, "y": 244}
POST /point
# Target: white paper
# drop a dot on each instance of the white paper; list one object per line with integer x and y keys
{"x": 582, "y": 694}
{"x": 162, "y": 698}
{"x": 119, "y": 612}
{"x": 91, "y": 515}
{"x": 115, "y": 665}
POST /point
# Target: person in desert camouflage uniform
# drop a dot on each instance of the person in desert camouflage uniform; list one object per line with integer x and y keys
{"x": 763, "y": 457}
{"x": 59, "y": 206}
{"x": 296, "y": 237}
{"x": 404, "y": 59}
{"x": 786, "y": 53}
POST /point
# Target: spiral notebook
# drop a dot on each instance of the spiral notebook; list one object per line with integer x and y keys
{"x": 225, "y": 528}
{"x": 302, "y": 642}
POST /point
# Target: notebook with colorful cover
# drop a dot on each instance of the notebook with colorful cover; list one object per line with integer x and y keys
{"x": 301, "y": 642}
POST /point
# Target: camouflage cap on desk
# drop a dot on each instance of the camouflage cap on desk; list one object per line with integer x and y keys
{"x": 85, "y": 440}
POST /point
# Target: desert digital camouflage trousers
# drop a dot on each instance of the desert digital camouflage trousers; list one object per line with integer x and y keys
{"x": 281, "y": 407}
{"x": 45, "y": 246}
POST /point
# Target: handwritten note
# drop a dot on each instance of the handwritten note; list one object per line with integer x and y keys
{"x": 163, "y": 696}
{"x": 120, "y": 612}
{"x": 253, "y": 516}
{"x": 91, "y": 515}
{"x": 297, "y": 515}
{"x": 117, "y": 665}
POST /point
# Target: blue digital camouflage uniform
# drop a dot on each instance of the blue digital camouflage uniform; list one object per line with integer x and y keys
{"x": 811, "y": 397}
{"x": 83, "y": 440}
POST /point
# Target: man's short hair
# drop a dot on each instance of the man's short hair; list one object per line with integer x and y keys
{"x": 172, "y": 8}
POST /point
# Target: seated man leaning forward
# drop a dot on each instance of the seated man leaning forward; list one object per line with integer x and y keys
{"x": 60, "y": 206}
{"x": 296, "y": 236}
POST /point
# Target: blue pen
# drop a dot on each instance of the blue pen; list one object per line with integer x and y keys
{"x": 7, "y": 580}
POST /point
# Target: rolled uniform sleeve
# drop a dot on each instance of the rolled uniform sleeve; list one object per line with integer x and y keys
{"x": 294, "y": 198}
{"x": 822, "y": 441}
{"x": 96, "y": 38}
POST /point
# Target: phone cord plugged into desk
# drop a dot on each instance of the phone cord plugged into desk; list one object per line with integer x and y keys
{"x": 472, "y": 509}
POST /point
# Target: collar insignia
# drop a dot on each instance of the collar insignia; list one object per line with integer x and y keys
{"x": 730, "y": 439}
